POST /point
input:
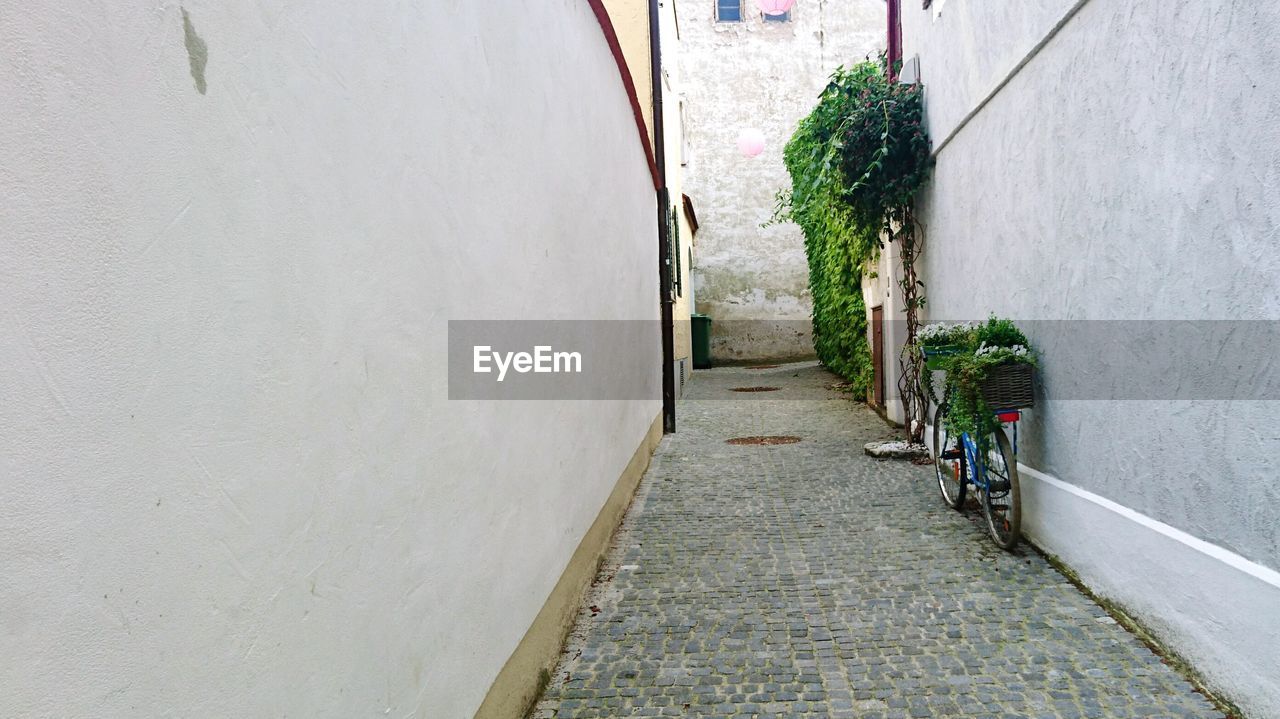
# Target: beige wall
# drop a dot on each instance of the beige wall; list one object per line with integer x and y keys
{"x": 630, "y": 20}
{"x": 673, "y": 134}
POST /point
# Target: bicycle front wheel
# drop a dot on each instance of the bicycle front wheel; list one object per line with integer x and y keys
{"x": 948, "y": 461}
{"x": 1001, "y": 495}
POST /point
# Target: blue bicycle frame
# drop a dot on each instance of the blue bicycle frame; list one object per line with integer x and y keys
{"x": 972, "y": 453}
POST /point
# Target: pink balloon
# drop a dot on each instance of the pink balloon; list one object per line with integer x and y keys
{"x": 775, "y": 7}
{"x": 751, "y": 142}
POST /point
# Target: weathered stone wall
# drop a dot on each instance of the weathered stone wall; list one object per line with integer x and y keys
{"x": 754, "y": 281}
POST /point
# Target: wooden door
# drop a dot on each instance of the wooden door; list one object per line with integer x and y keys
{"x": 877, "y": 356}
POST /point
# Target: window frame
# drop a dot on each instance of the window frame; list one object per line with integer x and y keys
{"x": 677, "y": 279}
{"x": 722, "y": 4}
{"x": 684, "y": 136}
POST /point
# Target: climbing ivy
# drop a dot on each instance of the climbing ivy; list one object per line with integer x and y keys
{"x": 856, "y": 162}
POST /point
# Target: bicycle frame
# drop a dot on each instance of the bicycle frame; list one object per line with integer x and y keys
{"x": 973, "y": 454}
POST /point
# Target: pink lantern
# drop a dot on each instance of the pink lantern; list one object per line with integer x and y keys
{"x": 750, "y": 141}
{"x": 775, "y": 7}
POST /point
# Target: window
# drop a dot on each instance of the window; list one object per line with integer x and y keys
{"x": 784, "y": 17}
{"x": 676, "y": 278}
{"x": 684, "y": 137}
{"x": 728, "y": 10}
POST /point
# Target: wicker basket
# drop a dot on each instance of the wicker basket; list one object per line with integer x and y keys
{"x": 1008, "y": 386}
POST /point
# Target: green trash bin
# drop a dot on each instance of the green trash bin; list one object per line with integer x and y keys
{"x": 701, "y": 340}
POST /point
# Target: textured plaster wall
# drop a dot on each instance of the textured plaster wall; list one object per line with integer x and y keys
{"x": 987, "y": 40}
{"x": 1140, "y": 193}
{"x": 230, "y": 481}
{"x": 767, "y": 76}
{"x": 1129, "y": 171}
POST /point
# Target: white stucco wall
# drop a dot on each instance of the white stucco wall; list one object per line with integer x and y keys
{"x": 230, "y": 481}
{"x": 1128, "y": 171}
{"x": 880, "y": 289}
{"x": 754, "y": 281}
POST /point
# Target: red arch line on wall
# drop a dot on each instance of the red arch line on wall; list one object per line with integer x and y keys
{"x": 611, "y": 37}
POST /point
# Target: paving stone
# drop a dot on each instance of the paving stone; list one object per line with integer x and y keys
{"x": 810, "y": 580}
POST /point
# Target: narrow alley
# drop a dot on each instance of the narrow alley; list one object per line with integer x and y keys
{"x": 810, "y": 580}
{"x": 519, "y": 359}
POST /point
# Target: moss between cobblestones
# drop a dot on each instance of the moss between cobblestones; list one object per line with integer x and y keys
{"x": 1171, "y": 658}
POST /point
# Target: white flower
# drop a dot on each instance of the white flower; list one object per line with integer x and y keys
{"x": 936, "y": 329}
{"x": 997, "y": 352}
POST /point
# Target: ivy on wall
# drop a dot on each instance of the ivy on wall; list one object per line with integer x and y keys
{"x": 856, "y": 162}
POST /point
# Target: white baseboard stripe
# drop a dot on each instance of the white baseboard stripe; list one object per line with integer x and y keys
{"x": 1235, "y": 561}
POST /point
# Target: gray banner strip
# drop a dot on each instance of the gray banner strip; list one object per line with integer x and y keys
{"x": 1079, "y": 359}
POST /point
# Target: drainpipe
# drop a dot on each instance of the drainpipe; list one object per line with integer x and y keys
{"x": 664, "y": 213}
{"x": 895, "y": 38}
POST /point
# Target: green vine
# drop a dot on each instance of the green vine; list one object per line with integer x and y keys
{"x": 856, "y": 162}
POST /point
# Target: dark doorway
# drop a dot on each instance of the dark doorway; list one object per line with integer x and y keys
{"x": 877, "y": 356}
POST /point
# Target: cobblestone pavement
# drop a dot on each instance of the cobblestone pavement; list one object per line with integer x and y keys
{"x": 808, "y": 580}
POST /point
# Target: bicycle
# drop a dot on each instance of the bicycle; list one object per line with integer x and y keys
{"x": 990, "y": 465}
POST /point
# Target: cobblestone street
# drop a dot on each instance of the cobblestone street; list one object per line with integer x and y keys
{"x": 809, "y": 580}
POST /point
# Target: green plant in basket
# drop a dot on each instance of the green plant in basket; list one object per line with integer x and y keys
{"x": 940, "y": 334}
{"x": 998, "y": 343}
{"x": 999, "y": 333}
{"x": 937, "y": 340}
{"x": 937, "y": 343}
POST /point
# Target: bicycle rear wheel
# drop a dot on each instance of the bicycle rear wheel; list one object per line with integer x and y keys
{"x": 948, "y": 461}
{"x": 1001, "y": 495}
